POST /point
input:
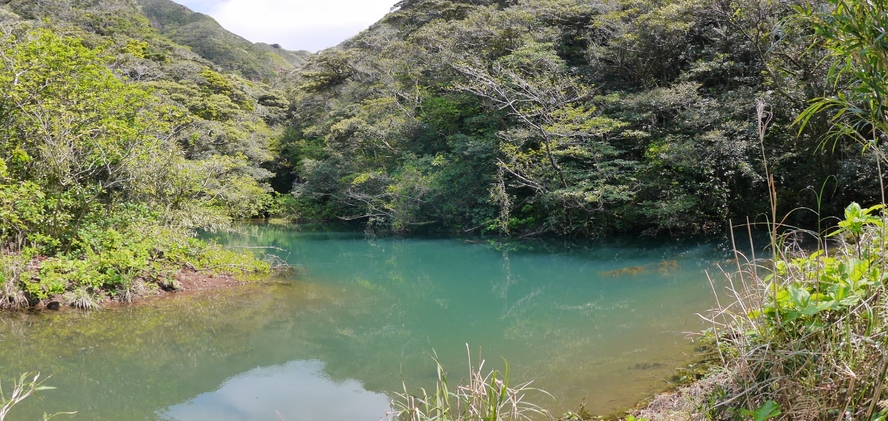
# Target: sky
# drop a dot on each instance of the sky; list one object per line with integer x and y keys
{"x": 294, "y": 24}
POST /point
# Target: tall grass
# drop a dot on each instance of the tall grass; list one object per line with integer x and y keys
{"x": 806, "y": 338}
{"x": 478, "y": 397}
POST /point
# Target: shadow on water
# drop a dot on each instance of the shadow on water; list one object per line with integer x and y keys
{"x": 603, "y": 322}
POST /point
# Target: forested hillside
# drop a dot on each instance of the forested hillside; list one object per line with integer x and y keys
{"x": 117, "y": 144}
{"x": 546, "y": 117}
{"x": 229, "y": 51}
{"x": 570, "y": 117}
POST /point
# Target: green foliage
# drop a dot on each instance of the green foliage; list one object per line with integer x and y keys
{"x": 558, "y": 117}
{"x": 856, "y": 219}
{"x": 215, "y": 83}
{"x": 115, "y": 256}
{"x": 205, "y": 111}
{"x": 22, "y": 211}
{"x": 813, "y": 326}
{"x": 283, "y": 206}
{"x": 810, "y": 336}
{"x": 97, "y": 198}
{"x": 73, "y": 131}
{"x": 830, "y": 283}
{"x": 766, "y": 411}
{"x": 850, "y": 33}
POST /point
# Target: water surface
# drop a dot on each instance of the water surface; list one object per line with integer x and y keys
{"x": 601, "y": 323}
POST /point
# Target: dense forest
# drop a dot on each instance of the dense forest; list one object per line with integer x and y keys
{"x": 130, "y": 124}
{"x": 572, "y": 117}
{"x": 118, "y": 144}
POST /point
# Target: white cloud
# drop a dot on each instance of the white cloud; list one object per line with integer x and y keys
{"x": 298, "y": 390}
{"x": 295, "y": 24}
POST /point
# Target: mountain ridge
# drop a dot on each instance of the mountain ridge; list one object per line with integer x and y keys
{"x": 201, "y": 33}
{"x": 210, "y": 40}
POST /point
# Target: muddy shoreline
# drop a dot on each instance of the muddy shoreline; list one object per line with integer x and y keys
{"x": 186, "y": 281}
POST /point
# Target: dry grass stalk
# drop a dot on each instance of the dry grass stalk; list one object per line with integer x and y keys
{"x": 810, "y": 331}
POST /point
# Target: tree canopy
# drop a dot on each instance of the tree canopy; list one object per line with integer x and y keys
{"x": 115, "y": 146}
{"x": 564, "y": 117}
{"x": 569, "y": 117}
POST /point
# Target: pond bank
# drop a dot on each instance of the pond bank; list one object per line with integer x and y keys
{"x": 685, "y": 403}
{"x": 186, "y": 280}
{"x": 123, "y": 273}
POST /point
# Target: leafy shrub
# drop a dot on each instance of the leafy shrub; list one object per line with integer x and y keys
{"x": 810, "y": 336}
{"x": 119, "y": 256}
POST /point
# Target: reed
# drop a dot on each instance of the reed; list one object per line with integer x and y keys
{"x": 477, "y": 397}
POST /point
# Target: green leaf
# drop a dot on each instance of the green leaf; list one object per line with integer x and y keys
{"x": 767, "y": 410}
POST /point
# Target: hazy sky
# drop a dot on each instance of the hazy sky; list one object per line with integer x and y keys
{"x": 295, "y": 24}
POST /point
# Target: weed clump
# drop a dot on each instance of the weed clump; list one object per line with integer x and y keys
{"x": 806, "y": 336}
{"x": 479, "y": 397}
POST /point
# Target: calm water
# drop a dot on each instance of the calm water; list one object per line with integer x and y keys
{"x": 602, "y": 323}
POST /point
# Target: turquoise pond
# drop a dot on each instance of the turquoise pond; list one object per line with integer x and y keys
{"x": 600, "y": 322}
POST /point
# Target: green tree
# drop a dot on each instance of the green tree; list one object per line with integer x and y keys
{"x": 70, "y": 126}
{"x": 558, "y": 144}
{"x": 852, "y": 33}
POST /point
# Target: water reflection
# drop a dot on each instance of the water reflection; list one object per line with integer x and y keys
{"x": 296, "y": 391}
{"x": 600, "y": 323}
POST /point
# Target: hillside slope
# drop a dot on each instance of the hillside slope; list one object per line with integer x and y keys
{"x": 213, "y": 42}
{"x": 116, "y": 145}
{"x": 569, "y": 117}
{"x": 201, "y": 33}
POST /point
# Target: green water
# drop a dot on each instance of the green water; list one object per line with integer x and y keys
{"x": 602, "y": 323}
